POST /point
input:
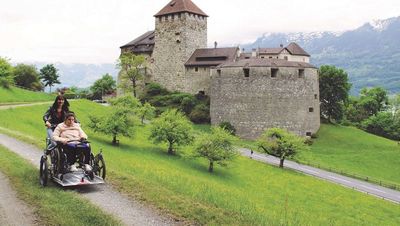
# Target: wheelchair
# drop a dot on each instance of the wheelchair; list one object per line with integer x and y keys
{"x": 54, "y": 165}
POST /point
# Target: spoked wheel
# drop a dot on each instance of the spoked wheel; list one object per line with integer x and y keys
{"x": 99, "y": 166}
{"x": 43, "y": 171}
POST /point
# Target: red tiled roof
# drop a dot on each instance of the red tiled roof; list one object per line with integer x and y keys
{"x": 212, "y": 56}
{"x": 178, "y": 6}
{"x": 295, "y": 49}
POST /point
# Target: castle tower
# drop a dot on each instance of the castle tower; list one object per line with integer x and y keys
{"x": 180, "y": 29}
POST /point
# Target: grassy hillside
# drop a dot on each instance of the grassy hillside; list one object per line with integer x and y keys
{"x": 355, "y": 151}
{"x": 247, "y": 193}
{"x": 17, "y": 95}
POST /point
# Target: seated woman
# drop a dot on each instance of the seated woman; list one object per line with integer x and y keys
{"x": 69, "y": 133}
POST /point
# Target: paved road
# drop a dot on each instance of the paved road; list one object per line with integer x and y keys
{"x": 363, "y": 186}
{"x": 109, "y": 200}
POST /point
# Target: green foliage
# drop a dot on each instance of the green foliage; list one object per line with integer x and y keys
{"x": 200, "y": 114}
{"x": 281, "y": 143}
{"x": 383, "y": 124}
{"x": 228, "y": 127}
{"x": 171, "y": 127}
{"x": 334, "y": 90}
{"x": 6, "y": 73}
{"x": 216, "y": 147}
{"x": 103, "y": 86}
{"x": 120, "y": 121}
{"x": 154, "y": 89}
{"x": 373, "y": 100}
{"x": 133, "y": 68}
{"x": 147, "y": 112}
{"x": 27, "y": 76}
{"x": 127, "y": 101}
{"x": 49, "y": 75}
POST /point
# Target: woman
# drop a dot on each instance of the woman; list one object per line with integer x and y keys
{"x": 69, "y": 133}
{"x": 54, "y": 116}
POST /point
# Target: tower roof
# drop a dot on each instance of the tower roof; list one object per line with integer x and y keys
{"x": 295, "y": 49}
{"x": 178, "y": 6}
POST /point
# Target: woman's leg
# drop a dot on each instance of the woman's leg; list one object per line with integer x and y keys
{"x": 52, "y": 144}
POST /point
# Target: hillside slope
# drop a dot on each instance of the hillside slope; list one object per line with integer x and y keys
{"x": 17, "y": 95}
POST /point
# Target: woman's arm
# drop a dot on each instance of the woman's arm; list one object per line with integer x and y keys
{"x": 57, "y": 135}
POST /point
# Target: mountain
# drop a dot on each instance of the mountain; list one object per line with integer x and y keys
{"x": 370, "y": 54}
{"x": 81, "y": 75}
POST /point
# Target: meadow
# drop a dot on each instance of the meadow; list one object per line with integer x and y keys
{"x": 17, "y": 95}
{"x": 354, "y": 151}
{"x": 245, "y": 193}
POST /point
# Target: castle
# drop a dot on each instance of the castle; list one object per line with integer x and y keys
{"x": 268, "y": 87}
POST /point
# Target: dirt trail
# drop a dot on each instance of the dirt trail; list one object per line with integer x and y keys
{"x": 12, "y": 210}
{"x": 103, "y": 196}
{"x": 3, "y": 107}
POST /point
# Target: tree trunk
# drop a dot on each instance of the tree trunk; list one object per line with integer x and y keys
{"x": 211, "y": 167}
{"x": 134, "y": 87}
{"x": 281, "y": 162}
{"x": 142, "y": 119}
{"x": 50, "y": 88}
{"x": 170, "y": 150}
{"x": 114, "y": 141}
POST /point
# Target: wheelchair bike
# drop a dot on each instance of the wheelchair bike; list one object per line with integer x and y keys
{"x": 54, "y": 166}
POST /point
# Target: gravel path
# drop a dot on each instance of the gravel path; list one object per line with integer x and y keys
{"x": 12, "y": 210}
{"x": 129, "y": 212}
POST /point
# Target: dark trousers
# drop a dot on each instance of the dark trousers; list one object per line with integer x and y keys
{"x": 75, "y": 152}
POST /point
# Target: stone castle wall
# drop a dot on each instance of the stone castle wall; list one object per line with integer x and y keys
{"x": 177, "y": 37}
{"x": 258, "y": 102}
{"x": 199, "y": 80}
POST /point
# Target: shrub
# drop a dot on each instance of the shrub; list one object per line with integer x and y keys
{"x": 383, "y": 124}
{"x": 200, "y": 114}
{"x": 228, "y": 127}
{"x": 154, "y": 89}
{"x": 188, "y": 104}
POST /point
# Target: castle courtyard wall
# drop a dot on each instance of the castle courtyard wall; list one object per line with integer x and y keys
{"x": 258, "y": 102}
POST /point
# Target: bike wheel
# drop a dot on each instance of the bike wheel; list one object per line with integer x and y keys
{"x": 100, "y": 166}
{"x": 44, "y": 171}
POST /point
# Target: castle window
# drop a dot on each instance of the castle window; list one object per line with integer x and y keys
{"x": 172, "y": 16}
{"x": 160, "y": 19}
{"x": 301, "y": 73}
{"x": 179, "y": 16}
{"x": 315, "y": 96}
{"x": 310, "y": 109}
{"x": 246, "y": 72}
{"x": 177, "y": 33}
{"x": 178, "y": 41}
{"x": 262, "y": 57}
{"x": 270, "y": 57}
{"x": 285, "y": 58}
{"x": 196, "y": 69}
{"x": 246, "y": 57}
{"x": 274, "y": 72}
{"x": 308, "y": 134}
{"x": 219, "y": 72}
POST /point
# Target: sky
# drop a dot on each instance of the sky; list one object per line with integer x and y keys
{"x": 91, "y": 31}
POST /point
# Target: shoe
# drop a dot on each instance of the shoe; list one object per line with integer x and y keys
{"x": 72, "y": 168}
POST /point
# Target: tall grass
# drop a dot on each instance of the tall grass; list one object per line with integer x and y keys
{"x": 17, "y": 95}
{"x": 245, "y": 193}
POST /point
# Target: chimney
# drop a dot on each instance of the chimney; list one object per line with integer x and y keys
{"x": 281, "y": 45}
{"x": 254, "y": 53}
{"x": 215, "y": 44}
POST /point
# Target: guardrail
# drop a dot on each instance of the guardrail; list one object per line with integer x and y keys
{"x": 353, "y": 175}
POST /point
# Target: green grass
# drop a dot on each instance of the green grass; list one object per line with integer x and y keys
{"x": 52, "y": 205}
{"x": 17, "y": 95}
{"x": 245, "y": 193}
{"x": 355, "y": 151}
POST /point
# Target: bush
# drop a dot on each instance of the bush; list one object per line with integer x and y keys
{"x": 200, "y": 114}
{"x": 228, "y": 127}
{"x": 383, "y": 124}
{"x": 154, "y": 89}
{"x": 188, "y": 104}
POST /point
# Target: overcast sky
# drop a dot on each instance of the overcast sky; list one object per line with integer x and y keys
{"x": 91, "y": 31}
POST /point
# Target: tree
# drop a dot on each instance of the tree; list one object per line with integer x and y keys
{"x": 27, "y": 76}
{"x": 383, "y": 124}
{"x": 104, "y": 85}
{"x": 281, "y": 143}
{"x": 126, "y": 101}
{"x": 173, "y": 128}
{"x": 373, "y": 100}
{"x": 6, "y": 73}
{"x": 49, "y": 75}
{"x": 216, "y": 147}
{"x": 120, "y": 121}
{"x": 146, "y": 112}
{"x": 334, "y": 91}
{"x": 132, "y": 69}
